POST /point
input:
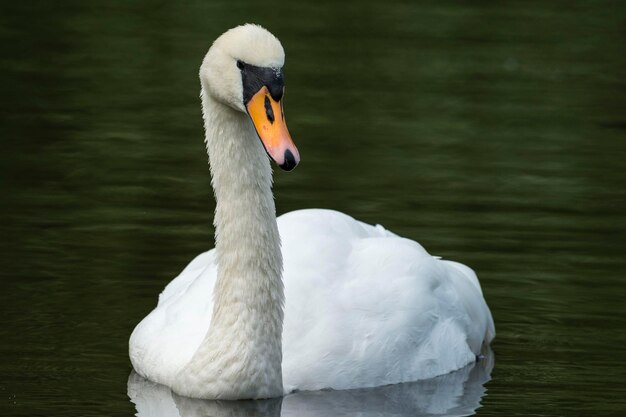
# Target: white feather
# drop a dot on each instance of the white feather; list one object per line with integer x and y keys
{"x": 363, "y": 307}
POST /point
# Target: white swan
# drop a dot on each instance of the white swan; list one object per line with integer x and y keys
{"x": 362, "y": 306}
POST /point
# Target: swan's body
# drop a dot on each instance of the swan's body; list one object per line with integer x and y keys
{"x": 362, "y": 306}
{"x": 455, "y": 394}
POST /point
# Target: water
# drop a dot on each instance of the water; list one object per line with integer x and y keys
{"x": 491, "y": 133}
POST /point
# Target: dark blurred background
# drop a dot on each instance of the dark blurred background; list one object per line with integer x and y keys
{"x": 491, "y": 132}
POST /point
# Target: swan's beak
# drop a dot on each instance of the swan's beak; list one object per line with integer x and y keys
{"x": 269, "y": 121}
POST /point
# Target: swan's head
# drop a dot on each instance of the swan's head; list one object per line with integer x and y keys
{"x": 244, "y": 70}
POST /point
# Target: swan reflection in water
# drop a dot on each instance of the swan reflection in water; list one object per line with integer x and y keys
{"x": 454, "y": 394}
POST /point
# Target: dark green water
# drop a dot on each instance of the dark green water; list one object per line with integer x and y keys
{"x": 492, "y": 133}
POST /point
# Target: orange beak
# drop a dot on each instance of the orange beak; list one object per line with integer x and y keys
{"x": 269, "y": 121}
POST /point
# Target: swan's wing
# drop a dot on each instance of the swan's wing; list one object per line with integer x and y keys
{"x": 474, "y": 304}
{"x": 166, "y": 339}
{"x": 365, "y": 307}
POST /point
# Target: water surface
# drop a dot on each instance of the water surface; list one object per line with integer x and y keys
{"x": 492, "y": 133}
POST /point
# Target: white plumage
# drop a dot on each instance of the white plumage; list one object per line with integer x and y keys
{"x": 362, "y": 306}
{"x": 453, "y": 395}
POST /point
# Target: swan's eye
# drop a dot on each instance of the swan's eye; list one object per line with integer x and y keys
{"x": 239, "y": 64}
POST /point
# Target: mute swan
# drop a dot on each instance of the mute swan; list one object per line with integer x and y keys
{"x": 362, "y": 306}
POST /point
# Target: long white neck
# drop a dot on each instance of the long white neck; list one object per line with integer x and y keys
{"x": 241, "y": 354}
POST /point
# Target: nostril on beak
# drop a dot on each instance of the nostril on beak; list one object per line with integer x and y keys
{"x": 290, "y": 161}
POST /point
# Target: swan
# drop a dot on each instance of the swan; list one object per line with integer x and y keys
{"x": 339, "y": 305}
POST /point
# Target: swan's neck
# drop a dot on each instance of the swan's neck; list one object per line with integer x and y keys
{"x": 241, "y": 354}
